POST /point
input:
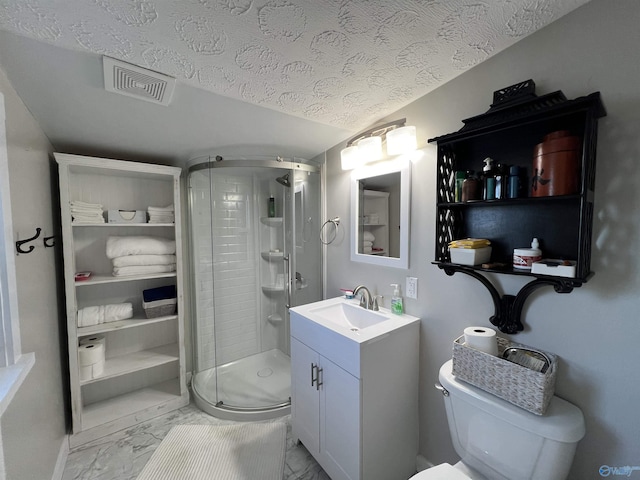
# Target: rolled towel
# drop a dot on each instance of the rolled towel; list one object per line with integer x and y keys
{"x": 122, "y": 246}
{"x": 137, "y": 260}
{"x": 143, "y": 270}
{"x": 90, "y": 316}
{"x": 369, "y": 237}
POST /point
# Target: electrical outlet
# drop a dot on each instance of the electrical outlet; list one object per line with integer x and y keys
{"x": 412, "y": 287}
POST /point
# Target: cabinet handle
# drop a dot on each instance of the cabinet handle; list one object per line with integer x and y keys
{"x": 319, "y": 377}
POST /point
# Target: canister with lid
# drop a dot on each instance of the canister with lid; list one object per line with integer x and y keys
{"x": 556, "y": 165}
{"x": 523, "y": 258}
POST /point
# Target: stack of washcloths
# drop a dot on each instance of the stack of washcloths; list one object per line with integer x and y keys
{"x": 141, "y": 255}
{"x": 367, "y": 244}
{"x": 83, "y": 212}
{"x": 161, "y": 214}
{"x": 90, "y": 316}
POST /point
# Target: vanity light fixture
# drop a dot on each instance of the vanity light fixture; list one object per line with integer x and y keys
{"x": 351, "y": 158}
{"x": 366, "y": 147}
{"x": 401, "y": 140}
{"x": 370, "y": 148}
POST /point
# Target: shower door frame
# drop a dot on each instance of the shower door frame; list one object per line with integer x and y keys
{"x": 289, "y": 210}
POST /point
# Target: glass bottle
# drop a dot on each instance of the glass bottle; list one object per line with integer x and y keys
{"x": 272, "y": 207}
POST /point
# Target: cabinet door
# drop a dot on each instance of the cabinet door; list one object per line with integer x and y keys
{"x": 305, "y": 399}
{"x": 340, "y": 444}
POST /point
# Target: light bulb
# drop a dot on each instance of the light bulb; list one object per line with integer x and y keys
{"x": 401, "y": 140}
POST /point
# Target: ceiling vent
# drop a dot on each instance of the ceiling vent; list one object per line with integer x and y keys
{"x": 133, "y": 81}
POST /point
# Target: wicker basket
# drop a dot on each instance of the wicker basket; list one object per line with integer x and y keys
{"x": 160, "y": 308}
{"x": 514, "y": 383}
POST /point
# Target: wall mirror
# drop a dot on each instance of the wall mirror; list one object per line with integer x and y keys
{"x": 380, "y": 199}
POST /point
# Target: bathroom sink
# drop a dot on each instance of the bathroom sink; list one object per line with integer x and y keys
{"x": 349, "y": 315}
{"x": 338, "y": 320}
{"x": 338, "y": 328}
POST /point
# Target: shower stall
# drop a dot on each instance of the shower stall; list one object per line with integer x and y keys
{"x": 255, "y": 251}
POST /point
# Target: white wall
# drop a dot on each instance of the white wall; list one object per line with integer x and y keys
{"x": 33, "y": 426}
{"x": 594, "y": 330}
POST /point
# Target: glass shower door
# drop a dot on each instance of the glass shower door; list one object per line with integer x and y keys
{"x": 250, "y": 264}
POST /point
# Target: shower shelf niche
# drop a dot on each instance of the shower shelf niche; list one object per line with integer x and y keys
{"x": 273, "y": 288}
{"x": 144, "y": 370}
{"x": 272, "y": 221}
{"x": 273, "y": 256}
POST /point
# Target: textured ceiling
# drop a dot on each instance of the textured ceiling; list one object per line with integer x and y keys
{"x": 344, "y": 63}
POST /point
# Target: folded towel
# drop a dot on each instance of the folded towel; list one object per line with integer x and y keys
{"x": 161, "y": 218}
{"x": 122, "y": 246}
{"x": 77, "y": 203}
{"x": 168, "y": 209}
{"x": 87, "y": 219}
{"x": 90, "y": 316}
{"x": 136, "y": 260}
{"x": 367, "y": 243}
{"x": 368, "y": 236}
{"x": 143, "y": 270}
{"x": 367, "y": 250}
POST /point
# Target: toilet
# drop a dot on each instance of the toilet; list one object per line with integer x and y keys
{"x": 497, "y": 440}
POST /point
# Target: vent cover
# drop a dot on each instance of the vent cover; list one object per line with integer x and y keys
{"x": 133, "y": 81}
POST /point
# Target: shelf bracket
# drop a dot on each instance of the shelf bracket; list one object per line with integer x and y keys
{"x": 508, "y": 308}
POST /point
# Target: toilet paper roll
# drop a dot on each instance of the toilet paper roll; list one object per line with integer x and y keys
{"x": 90, "y": 354}
{"x": 481, "y": 338}
{"x": 94, "y": 339}
{"x": 89, "y": 372}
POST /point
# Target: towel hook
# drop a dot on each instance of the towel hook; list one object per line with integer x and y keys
{"x": 49, "y": 241}
{"x": 19, "y": 243}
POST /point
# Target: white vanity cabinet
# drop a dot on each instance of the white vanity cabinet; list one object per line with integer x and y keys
{"x": 144, "y": 369}
{"x": 354, "y": 403}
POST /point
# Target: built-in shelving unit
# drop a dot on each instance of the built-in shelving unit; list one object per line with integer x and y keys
{"x": 144, "y": 370}
{"x": 508, "y": 132}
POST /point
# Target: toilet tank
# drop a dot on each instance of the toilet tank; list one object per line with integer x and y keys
{"x": 503, "y": 441}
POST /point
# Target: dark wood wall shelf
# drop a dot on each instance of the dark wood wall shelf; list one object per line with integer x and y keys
{"x": 508, "y": 132}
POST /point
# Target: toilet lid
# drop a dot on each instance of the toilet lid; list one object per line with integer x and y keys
{"x": 444, "y": 471}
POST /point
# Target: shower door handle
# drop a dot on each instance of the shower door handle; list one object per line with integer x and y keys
{"x": 316, "y": 371}
{"x": 288, "y": 280}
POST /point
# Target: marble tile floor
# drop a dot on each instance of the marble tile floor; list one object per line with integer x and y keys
{"x": 122, "y": 455}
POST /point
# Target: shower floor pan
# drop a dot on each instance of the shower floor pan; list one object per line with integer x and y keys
{"x": 257, "y": 387}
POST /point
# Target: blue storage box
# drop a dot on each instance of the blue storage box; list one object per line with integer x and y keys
{"x": 160, "y": 301}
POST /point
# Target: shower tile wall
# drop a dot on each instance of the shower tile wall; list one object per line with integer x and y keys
{"x": 233, "y": 285}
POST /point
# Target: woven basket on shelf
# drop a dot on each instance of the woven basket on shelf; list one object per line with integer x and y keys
{"x": 514, "y": 383}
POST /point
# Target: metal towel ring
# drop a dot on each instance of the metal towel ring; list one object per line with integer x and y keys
{"x": 336, "y": 222}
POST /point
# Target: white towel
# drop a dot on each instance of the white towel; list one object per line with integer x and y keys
{"x": 79, "y": 204}
{"x": 122, "y": 246}
{"x": 135, "y": 260}
{"x": 143, "y": 270}
{"x": 98, "y": 314}
{"x": 88, "y": 219}
{"x": 367, "y": 250}
{"x": 167, "y": 209}
{"x": 161, "y": 218}
{"x": 369, "y": 237}
{"x": 367, "y": 243}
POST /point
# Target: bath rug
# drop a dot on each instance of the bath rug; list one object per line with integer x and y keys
{"x": 222, "y": 452}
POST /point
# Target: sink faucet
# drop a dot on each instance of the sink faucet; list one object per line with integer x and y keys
{"x": 366, "y": 300}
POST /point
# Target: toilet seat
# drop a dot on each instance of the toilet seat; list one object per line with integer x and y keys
{"x": 444, "y": 471}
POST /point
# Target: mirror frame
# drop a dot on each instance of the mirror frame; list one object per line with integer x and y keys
{"x": 397, "y": 165}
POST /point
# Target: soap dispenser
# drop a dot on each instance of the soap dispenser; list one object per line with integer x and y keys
{"x": 396, "y": 300}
